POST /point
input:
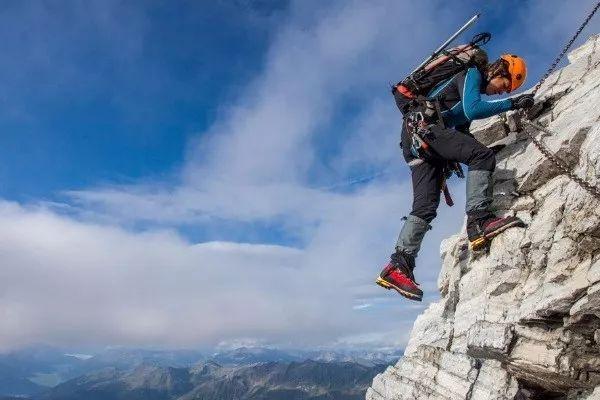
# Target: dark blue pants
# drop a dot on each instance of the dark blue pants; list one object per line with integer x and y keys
{"x": 450, "y": 145}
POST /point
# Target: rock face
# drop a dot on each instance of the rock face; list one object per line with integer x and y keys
{"x": 522, "y": 320}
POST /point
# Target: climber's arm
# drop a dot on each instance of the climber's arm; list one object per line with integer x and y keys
{"x": 470, "y": 93}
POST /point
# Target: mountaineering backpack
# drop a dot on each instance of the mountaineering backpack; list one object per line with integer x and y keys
{"x": 444, "y": 66}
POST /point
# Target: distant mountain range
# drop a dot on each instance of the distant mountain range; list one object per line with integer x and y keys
{"x": 264, "y": 381}
{"x": 44, "y": 372}
{"x": 251, "y": 355}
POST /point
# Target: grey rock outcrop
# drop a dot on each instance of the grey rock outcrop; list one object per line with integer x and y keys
{"x": 522, "y": 321}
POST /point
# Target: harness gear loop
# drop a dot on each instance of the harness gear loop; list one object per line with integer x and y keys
{"x": 593, "y": 190}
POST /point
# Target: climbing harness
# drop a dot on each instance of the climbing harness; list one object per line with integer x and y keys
{"x": 561, "y": 165}
{"x": 420, "y": 133}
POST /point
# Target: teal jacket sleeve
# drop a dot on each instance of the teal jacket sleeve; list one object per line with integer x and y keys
{"x": 473, "y": 106}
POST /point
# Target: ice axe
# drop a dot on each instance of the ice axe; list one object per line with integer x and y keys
{"x": 479, "y": 38}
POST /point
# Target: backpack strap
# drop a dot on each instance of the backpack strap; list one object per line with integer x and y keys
{"x": 446, "y": 193}
{"x": 438, "y": 110}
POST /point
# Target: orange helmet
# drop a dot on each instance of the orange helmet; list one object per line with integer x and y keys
{"x": 517, "y": 70}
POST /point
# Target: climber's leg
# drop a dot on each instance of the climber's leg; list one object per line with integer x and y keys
{"x": 482, "y": 224}
{"x": 426, "y": 180}
{"x": 426, "y": 184}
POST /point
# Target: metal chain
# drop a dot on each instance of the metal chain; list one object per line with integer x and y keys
{"x": 593, "y": 190}
{"x": 561, "y": 165}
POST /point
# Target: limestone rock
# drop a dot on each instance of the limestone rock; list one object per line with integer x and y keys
{"x": 522, "y": 321}
{"x": 489, "y": 130}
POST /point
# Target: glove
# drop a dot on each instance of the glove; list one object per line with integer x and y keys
{"x": 522, "y": 101}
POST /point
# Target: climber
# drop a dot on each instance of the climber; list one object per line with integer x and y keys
{"x": 433, "y": 140}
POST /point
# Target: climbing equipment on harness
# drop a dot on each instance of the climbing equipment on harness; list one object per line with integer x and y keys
{"x": 517, "y": 69}
{"x": 593, "y": 190}
{"x": 418, "y": 130}
{"x": 420, "y": 134}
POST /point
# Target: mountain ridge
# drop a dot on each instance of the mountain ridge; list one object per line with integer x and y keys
{"x": 263, "y": 381}
{"x": 33, "y": 370}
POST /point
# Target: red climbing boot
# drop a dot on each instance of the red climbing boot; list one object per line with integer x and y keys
{"x": 398, "y": 275}
{"x": 482, "y": 228}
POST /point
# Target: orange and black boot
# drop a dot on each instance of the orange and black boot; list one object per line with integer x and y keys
{"x": 398, "y": 275}
{"x": 482, "y": 227}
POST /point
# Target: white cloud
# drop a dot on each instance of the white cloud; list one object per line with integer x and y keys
{"x": 68, "y": 282}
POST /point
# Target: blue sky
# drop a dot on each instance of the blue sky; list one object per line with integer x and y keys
{"x": 105, "y": 92}
{"x": 189, "y": 173}
{"x": 112, "y": 93}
